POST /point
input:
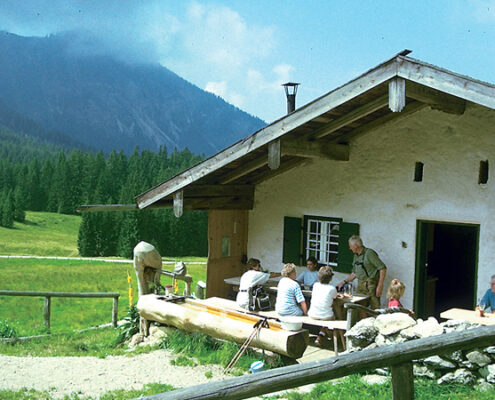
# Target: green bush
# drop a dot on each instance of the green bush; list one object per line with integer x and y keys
{"x": 130, "y": 326}
{"x": 7, "y": 330}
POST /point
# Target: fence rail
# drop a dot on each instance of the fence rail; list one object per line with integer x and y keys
{"x": 49, "y": 295}
{"x": 399, "y": 357}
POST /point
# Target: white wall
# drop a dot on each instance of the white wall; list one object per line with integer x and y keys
{"x": 375, "y": 188}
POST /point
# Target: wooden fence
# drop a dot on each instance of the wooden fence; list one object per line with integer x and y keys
{"x": 49, "y": 295}
{"x": 399, "y": 357}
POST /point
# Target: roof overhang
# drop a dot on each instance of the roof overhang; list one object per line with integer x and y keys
{"x": 321, "y": 128}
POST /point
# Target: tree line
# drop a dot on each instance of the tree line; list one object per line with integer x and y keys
{"x": 63, "y": 182}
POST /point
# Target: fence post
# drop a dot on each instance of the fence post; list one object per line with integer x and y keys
{"x": 115, "y": 311}
{"x": 46, "y": 312}
{"x": 403, "y": 381}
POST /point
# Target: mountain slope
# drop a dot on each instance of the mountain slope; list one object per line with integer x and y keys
{"x": 107, "y": 104}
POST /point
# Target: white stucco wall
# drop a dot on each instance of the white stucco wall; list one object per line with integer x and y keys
{"x": 375, "y": 188}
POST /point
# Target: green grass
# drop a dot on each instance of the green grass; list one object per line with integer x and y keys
{"x": 97, "y": 343}
{"x": 148, "y": 390}
{"x": 43, "y": 234}
{"x": 352, "y": 388}
{"x": 25, "y": 314}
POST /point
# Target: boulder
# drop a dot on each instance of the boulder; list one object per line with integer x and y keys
{"x": 478, "y": 358}
{"x": 423, "y": 329}
{"x": 388, "y": 324}
{"x": 363, "y": 333}
{"x": 456, "y": 356}
{"x": 381, "y": 340}
{"x": 375, "y": 379}
{"x": 425, "y": 372}
{"x": 489, "y": 350}
{"x": 438, "y": 362}
{"x": 461, "y": 376}
{"x": 455, "y": 325}
{"x": 487, "y": 371}
{"x": 483, "y": 386}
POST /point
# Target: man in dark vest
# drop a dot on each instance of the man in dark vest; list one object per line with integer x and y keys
{"x": 369, "y": 270}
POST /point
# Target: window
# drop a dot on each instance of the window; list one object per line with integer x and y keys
{"x": 322, "y": 239}
{"x": 325, "y": 238}
{"x": 483, "y": 174}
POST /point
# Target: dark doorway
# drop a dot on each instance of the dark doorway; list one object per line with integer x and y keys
{"x": 446, "y": 267}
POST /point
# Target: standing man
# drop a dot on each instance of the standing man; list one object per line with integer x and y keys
{"x": 369, "y": 270}
{"x": 488, "y": 300}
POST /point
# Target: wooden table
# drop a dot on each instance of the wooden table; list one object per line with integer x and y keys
{"x": 469, "y": 315}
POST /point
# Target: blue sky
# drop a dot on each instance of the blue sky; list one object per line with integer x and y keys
{"x": 244, "y": 50}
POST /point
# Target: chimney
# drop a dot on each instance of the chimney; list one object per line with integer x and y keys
{"x": 290, "y": 91}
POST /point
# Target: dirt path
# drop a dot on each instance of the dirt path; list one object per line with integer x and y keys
{"x": 91, "y": 376}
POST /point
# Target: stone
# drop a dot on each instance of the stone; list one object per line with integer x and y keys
{"x": 461, "y": 376}
{"x": 388, "y": 324}
{"x": 456, "y": 325}
{"x": 489, "y": 350}
{"x": 456, "y": 356}
{"x": 438, "y": 362}
{"x": 423, "y": 329}
{"x": 478, "y": 358}
{"x": 136, "y": 339}
{"x": 375, "y": 379}
{"x": 483, "y": 386}
{"x": 424, "y": 371}
{"x": 382, "y": 371}
{"x": 468, "y": 364}
{"x": 371, "y": 346}
{"x": 363, "y": 333}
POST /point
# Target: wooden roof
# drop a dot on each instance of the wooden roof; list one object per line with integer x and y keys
{"x": 321, "y": 128}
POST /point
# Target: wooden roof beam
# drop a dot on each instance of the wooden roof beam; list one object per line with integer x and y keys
{"x": 435, "y": 99}
{"x": 284, "y": 167}
{"x": 351, "y": 117}
{"x": 315, "y": 149}
{"x": 218, "y": 190}
{"x": 244, "y": 170}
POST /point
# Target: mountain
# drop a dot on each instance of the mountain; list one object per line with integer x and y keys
{"x": 94, "y": 101}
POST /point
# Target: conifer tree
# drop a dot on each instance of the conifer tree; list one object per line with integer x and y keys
{"x": 8, "y": 210}
{"x": 19, "y": 205}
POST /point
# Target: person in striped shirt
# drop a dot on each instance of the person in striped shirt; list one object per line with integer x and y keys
{"x": 290, "y": 300}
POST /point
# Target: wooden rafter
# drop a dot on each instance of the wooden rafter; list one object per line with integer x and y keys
{"x": 244, "y": 170}
{"x": 315, "y": 149}
{"x": 350, "y": 117}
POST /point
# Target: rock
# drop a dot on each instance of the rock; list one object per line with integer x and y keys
{"x": 455, "y": 325}
{"x": 388, "y": 324}
{"x": 483, "y": 386}
{"x": 489, "y": 350}
{"x": 487, "y": 370}
{"x": 468, "y": 364}
{"x": 478, "y": 358}
{"x": 136, "y": 339}
{"x": 381, "y": 340}
{"x": 363, "y": 333}
{"x": 461, "y": 376}
{"x": 382, "y": 371}
{"x": 437, "y": 362}
{"x": 371, "y": 346}
{"x": 375, "y": 379}
{"x": 422, "y": 329}
{"x": 456, "y": 356}
{"x": 424, "y": 371}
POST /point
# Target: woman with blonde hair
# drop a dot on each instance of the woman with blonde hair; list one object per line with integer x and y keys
{"x": 290, "y": 300}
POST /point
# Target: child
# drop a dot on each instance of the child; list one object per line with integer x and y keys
{"x": 322, "y": 301}
{"x": 395, "y": 292}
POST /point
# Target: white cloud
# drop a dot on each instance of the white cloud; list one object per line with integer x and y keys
{"x": 218, "y": 88}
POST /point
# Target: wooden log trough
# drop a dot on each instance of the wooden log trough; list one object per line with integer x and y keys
{"x": 196, "y": 316}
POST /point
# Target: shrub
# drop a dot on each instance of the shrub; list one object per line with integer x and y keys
{"x": 130, "y": 326}
{"x": 6, "y": 330}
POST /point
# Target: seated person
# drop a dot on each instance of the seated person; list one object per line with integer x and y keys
{"x": 310, "y": 275}
{"x": 488, "y": 300}
{"x": 290, "y": 300}
{"x": 395, "y": 291}
{"x": 322, "y": 302}
{"x": 254, "y": 276}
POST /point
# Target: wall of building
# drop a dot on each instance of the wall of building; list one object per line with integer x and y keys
{"x": 375, "y": 188}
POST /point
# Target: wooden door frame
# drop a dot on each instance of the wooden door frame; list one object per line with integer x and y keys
{"x": 419, "y": 279}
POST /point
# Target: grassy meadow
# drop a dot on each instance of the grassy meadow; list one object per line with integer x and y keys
{"x": 55, "y": 235}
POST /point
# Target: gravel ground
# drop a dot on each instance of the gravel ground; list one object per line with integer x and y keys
{"x": 91, "y": 376}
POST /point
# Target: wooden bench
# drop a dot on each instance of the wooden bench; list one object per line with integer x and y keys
{"x": 338, "y": 327}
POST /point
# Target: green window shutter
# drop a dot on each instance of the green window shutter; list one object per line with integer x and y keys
{"x": 292, "y": 240}
{"x": 345, "y": 257}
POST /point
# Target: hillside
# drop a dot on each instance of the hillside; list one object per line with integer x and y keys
{"x": 43, "y": 234}
{"x": 68, "y": 97}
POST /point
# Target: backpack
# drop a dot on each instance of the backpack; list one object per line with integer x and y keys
{"x": 258, "y": 299}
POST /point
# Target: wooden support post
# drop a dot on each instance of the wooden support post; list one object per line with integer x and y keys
{"x": 397, "y": 94}
{"x": 274, "y": 154}
{"x": 403, "y": 381}
{"x": 178, "y": 203}
{"x": 115, "y": 311}
{"x": 46, "y": 312}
